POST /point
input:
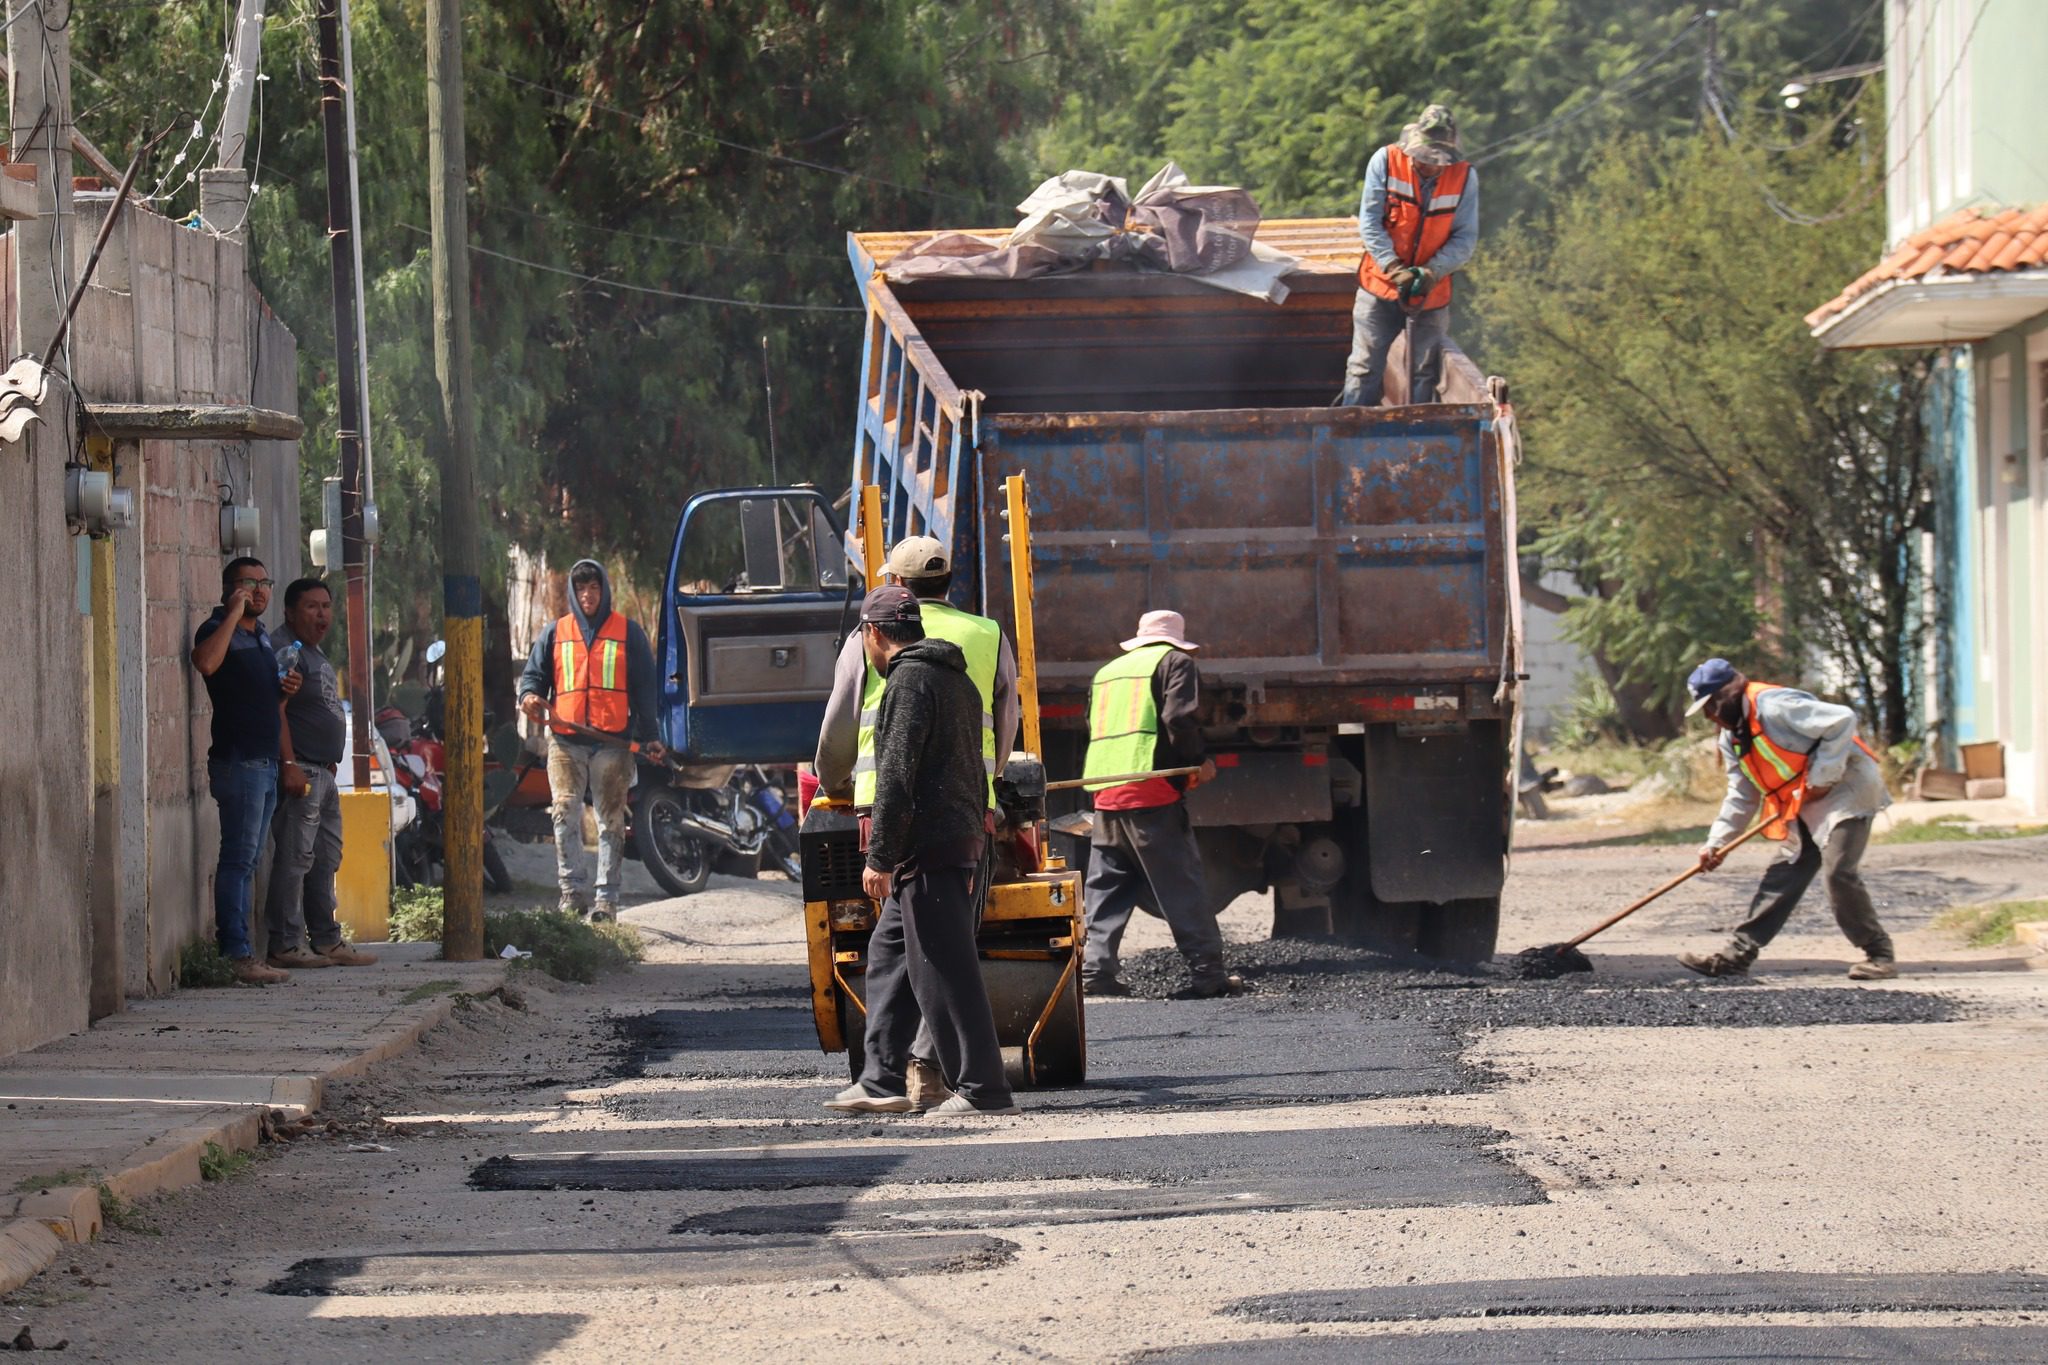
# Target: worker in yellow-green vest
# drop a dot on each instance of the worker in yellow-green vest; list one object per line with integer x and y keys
{"x": 845, "y": 761}
{"x": 1144, "y": 715}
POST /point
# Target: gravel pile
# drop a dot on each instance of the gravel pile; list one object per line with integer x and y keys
{"x": 1329, "y": 973}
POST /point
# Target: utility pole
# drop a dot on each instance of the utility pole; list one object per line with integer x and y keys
{"x": 348, "y": 417}
{"x": 462, "y": 600}
{"x": 224, "y": 189}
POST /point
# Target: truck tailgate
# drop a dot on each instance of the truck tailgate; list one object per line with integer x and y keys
{"x": 1323, "y": 546}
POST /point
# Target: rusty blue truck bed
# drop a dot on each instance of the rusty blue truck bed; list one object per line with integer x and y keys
{"x": 1349, "y": 573}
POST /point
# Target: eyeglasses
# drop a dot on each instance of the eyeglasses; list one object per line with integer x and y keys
{"x": 255, "y": 582}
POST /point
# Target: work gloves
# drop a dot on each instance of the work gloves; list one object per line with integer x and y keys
{"x": 1418, "y": 281}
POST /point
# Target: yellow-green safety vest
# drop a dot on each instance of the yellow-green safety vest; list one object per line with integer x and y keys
{"x": 1123, "y": 720}
{"x": 981, "y": 640}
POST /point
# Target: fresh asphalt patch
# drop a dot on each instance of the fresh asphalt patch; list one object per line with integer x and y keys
{"x": 1149, "y": 1176}
{"x": 1612, "y": 1295}
{"x": 1817, "y": 1345}
{"x": 1211, "y": 1054}
{"x": 1333, "y": 973}
{"x": 758, "y": 1261}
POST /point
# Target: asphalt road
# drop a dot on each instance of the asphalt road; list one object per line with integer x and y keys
{"x": 1362, "y": 1159}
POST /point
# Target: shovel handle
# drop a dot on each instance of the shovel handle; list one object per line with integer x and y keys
{"x": 602, "y": 737}
{"x": 1118, "y": 780}
{"x": 1679, "y": 880}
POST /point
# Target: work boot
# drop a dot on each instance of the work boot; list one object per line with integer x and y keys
{"x": 960, "y": 1104}
{"x": 250, "y": 972}
{"x": 604, "y": 911}
{"x": 858, "y": 1099}
{"x": 1723, "y": 963}
{"x": 1103, "y": 985}
{"x": 1209, "y": 986}
{"x": 348, "y": 955}
{"x": 298, "y": 958}
{"x": 570, "y": 904}
{"x": 1874, "y": 969}
{"x": 928, "y": 1088}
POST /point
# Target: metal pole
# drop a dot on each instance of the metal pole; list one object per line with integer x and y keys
{"x": 1017, "y": 511}
{"x": 355, "y": 555}
{"x": 462, "y": 599}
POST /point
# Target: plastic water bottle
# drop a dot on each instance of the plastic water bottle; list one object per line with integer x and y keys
{"x": 287, "y": 658}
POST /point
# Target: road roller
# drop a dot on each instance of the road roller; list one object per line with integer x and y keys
{"x": 1031, "y": 928}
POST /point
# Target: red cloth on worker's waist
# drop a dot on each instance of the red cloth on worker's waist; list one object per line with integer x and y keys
{"x": 1153, "y": 791}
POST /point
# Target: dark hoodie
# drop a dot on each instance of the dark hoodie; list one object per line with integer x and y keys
{"x": 539, "y": 677}
{"x": 931, "y": 790}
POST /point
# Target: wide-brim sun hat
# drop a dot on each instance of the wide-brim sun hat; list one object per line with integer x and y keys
{"x": 1161, "y": 628}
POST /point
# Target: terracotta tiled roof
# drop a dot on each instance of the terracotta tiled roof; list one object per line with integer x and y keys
{"x": 1972, "y": 242}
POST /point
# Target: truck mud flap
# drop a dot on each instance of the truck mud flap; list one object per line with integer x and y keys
{"x": 1434, "y": 808}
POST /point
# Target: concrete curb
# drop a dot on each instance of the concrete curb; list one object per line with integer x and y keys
{"x": 42, "y": 1222}
{"x": 27, "y": 1249}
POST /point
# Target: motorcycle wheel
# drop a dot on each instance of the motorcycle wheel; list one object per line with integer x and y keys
{"x": 496, "y": 878}
{"x": 680, "y": 861}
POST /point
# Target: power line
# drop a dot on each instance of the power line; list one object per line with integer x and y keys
{"x": 1861, "y": 197}
{"x": 1493, "y": 149}
{"x": 566, "y": 221}
{"x": 604, "y": 283}
{"x": 797, "y": 161}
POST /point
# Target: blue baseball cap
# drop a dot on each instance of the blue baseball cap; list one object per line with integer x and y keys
{"x": 1709, "y": 678}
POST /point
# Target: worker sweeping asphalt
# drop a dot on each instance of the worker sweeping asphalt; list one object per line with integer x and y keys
{"x": 1800, "y": 762}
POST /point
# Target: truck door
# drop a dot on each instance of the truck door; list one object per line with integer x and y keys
{"x": 756, "y": 603}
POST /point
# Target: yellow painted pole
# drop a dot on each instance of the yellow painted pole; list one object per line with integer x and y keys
{"x": 871, "y": 534}
{"x": 1019, "y": 513}
{"x": 462, "y": 599}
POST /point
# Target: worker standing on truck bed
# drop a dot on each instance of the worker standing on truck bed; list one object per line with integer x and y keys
{"x": 929, "y": 830}
{"x": 1800, "y": 760}
{"x": 1143, "y": 716}
{"x": 1419, "y": 217}
{"x": 594, "y": 668}
{"x": 846, "y": 741}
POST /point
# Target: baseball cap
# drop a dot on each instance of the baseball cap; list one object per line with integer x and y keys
{"x": 1709, "y": 678}
{"x": 918, "y": 557}
{"x": 890, "y": 605}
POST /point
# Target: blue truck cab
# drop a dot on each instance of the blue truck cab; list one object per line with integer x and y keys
{"x": 754, "y": 605}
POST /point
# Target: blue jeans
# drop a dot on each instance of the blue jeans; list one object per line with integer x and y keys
{"x": 1375, "y": 322}
{"x": 246, "y": 791}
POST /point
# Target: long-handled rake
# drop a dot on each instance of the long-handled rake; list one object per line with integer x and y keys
{"x": 1555, "y": 959}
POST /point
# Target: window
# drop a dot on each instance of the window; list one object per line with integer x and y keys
{"x": 767, "y": 544}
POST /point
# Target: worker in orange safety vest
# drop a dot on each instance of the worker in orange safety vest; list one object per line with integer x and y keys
{"x": 592, "y": 668}
{"x": 1419, "y": 218}
{"x": 1797, "y": 764}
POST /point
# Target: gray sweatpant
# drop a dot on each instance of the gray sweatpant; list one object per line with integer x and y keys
{"x": 1375, "y": 322}
{"x": 1839, "y": 865}
{"x": 1148, "y": 860}
{"x": 924, "y": 966}
{"x": 299, "y": 906}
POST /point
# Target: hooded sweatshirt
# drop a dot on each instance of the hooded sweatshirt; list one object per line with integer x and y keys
{"x": 931, "y": 792}
{"x": 539, "y": 678}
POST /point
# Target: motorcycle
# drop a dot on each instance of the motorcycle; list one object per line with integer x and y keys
{"x": 418, "y": 762}
{"x": 685, "y": 825}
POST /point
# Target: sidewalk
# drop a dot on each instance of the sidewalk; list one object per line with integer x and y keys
{"x": 133, "y": 1102}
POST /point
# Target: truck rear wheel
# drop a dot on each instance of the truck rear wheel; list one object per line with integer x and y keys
{"x": 1462, "y": 931}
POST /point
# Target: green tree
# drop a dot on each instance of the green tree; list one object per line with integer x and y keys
{"x": 1716, "y": 482}
{"x": 720, "y": 150}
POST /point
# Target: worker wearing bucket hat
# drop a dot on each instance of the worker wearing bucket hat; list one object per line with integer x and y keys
{"x": 1144, "y": 716}
{"x": 1796, "y": 763}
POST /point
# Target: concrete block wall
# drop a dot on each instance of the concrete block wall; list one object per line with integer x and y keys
{"x": 113, "y": 877}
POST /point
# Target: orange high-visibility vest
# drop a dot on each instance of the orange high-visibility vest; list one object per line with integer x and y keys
{"x": 1417, "y": 229}
{"x": 590, "y": 681}
{"x": 1779, "y": 773}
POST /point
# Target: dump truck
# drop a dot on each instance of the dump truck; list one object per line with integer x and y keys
{"x": 1348, "y": 572}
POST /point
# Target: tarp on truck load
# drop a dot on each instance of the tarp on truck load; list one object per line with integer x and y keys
{"x": 1075, "y": 219}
